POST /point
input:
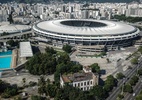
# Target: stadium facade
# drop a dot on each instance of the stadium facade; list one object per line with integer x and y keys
{"x": 87, "y": 34}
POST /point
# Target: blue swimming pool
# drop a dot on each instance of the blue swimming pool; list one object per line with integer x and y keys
{"x": 9, "y": 52}
{"x": 5, "y": 60}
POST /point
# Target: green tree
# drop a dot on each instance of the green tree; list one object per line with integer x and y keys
{"x": 107, "y": 87}
{"x": 37, "y": 97}
{"x": 95, "y": 68}
{"x": 24, "y": 81}
{"x": 42, "y": 85}
{"x": 98, "y": 92}
{"x": 128, "y": 88}
{"x": 132, "y": 82}
{"x": 12, "y": 43}
{"x": 120, "y": 96}
{"x": 110, "y": 83}
{"x": 134, "y": 61}
{"x": 140, "y": 49}
{"x": 50, "y": 50}
{"x": 140, "y": 72}
{"x": 135, "y": 78}
{"x": 67, "y": 48}
{"x": 139, "y": 97}
{"x": 41, "y": 64}
{"x": 10, "y": 18}
{"x": 51, "y": 90}
{"x": 10, "y": 91}
{"x": 120, "y": 75}
{"x": 18, "y": 98}
{"x": 63, "y": 58}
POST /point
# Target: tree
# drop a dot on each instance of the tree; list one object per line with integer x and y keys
{"x": 63, "y": 58}
{"x": 24, "y": 81}
{"x": 139, "y": 97}
{"x": 110, "y": 83}
{"x": 120, "y": 96}
{"x": 37, "y": 97}
{"x": 140, "y": 72}
{"x": 12, "y": 43}
{"x": 18, "y": 98}
{"x": 140, "y": 49}
{"x": 134, "y": 61}
{"x": 98, "y": 92}
{"x": 51, "y": 90}
{"x": 120, "y": 75}
{"x": 107, "y": 87}
{"x": 95, "y": 68}
{"x": 10, "y": 18}
{"x": 128, "y": 88}
{"x": 42, "y": 85}
{"x": 10, "y": 91}
{"x": 132, "y": 82}
{"x": 50, "y": 50}
{"x": 41, "y": 64}
{"x": 70, "y": 93}
{"x": 67, "y": 48}
{"x": 135, "y": 78}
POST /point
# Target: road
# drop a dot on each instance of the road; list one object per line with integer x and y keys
{"x": 129, "y": 74}
{"x": 136, "y": 90}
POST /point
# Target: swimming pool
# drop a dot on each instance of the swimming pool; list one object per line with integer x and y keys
{"x": 5, "y": 60}
{"x": 9, "y": 52}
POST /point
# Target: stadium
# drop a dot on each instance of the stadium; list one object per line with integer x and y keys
{"x": 87, "y": 34}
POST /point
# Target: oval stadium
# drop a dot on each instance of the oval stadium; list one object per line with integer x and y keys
{"x": 87, "y": 34}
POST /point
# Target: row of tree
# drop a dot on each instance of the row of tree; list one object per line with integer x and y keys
{"x": 128, "y": 19}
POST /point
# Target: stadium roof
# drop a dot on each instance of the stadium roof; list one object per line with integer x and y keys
{"x": 25, "y": 49}
{"x": 110, "y": 28}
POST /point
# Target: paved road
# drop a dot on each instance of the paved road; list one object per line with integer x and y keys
{"x": 136, "y": 90}
{"x": 129, "y": 74}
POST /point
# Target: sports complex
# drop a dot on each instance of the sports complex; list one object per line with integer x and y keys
{"x": 87, "y": 34}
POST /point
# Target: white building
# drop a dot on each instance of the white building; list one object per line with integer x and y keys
{"x": 25, "y": 49}
{"x": 83, "y": 80}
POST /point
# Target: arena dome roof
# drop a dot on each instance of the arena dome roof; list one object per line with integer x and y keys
{"x": 85, "y": 27}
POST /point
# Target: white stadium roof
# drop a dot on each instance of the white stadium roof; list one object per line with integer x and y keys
{"x": 111, "y": 27}
{"x": 25, "y": 49}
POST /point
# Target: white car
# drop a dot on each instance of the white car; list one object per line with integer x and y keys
{"x": 134, "y": 94}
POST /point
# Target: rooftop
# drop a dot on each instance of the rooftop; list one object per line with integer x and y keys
{"x": 67, "y": 26}
{"x": 11, "y": 28}
{"x": 25, "y": 49}
{"x": 80, "y": 76}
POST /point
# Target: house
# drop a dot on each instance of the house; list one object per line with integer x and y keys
{"x": 85, "y": 80}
